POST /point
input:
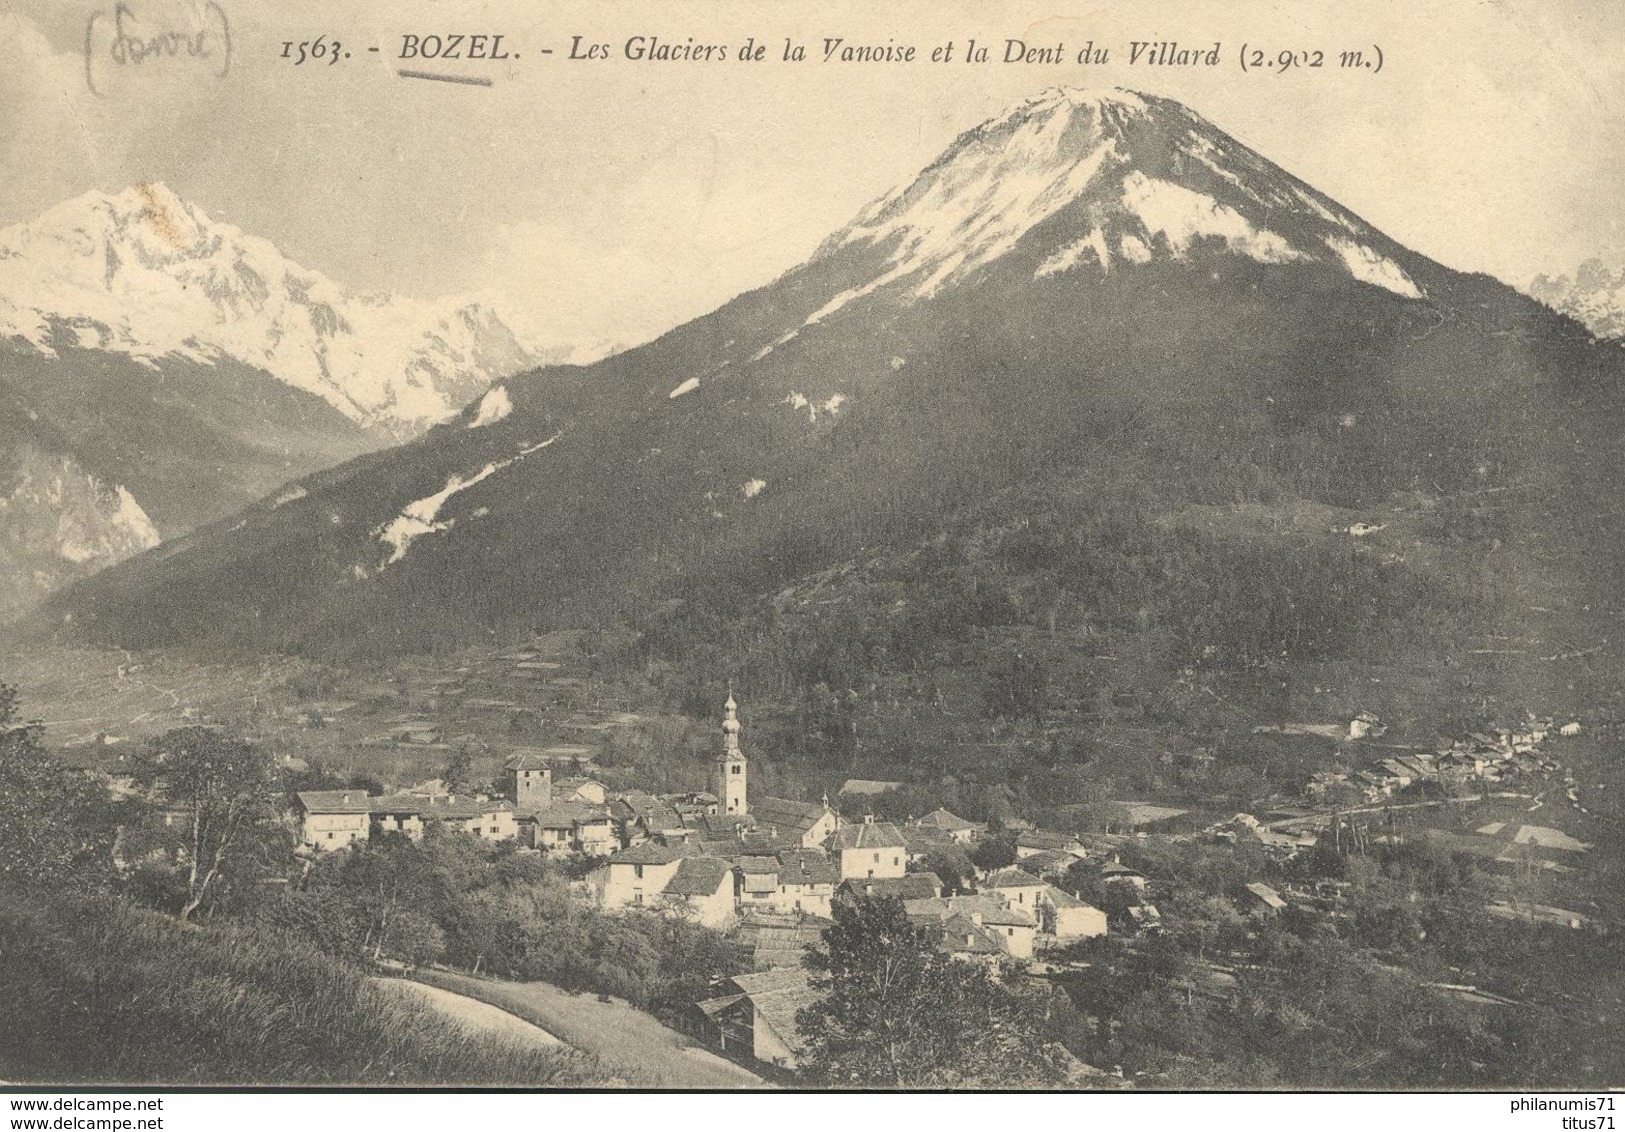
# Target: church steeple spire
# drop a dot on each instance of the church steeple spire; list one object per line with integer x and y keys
{"x": 731, "y": 764}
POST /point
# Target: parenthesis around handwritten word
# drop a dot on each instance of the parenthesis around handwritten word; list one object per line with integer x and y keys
{"x": 90, "y": 34}
{"x": 1378, "y": 46}
{"x": 1244, "y": 58}
{"x": 225, "y": 35}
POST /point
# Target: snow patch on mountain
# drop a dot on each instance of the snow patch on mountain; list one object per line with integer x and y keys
{"x": 1309, "y": 201}
{"x": 1000, "y": 180}
{"x": 422, "y": 516}
{"x": 1133, "y": 248}
{"x": 147, "y": 274}
{"x": 1072, "y": 254}
{"x": 132, "y": 521}
{"x": 753, "y": 488}
{"x": 493, "y": 407}
{"x": 1182, "y": 217}
{"x": 688, "y": 386}
{"x": 801, "y": 402}
{"x": 1373, "y": 267}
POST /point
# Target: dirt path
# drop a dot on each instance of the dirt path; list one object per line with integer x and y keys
{"x": 472, "y": 1014}
{"x": 628, "y": 1043}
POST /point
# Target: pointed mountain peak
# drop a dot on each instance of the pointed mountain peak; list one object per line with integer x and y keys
{"x": 1140, "y": 177}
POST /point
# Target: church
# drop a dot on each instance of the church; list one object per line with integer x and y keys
{"x": 772, "y": 823}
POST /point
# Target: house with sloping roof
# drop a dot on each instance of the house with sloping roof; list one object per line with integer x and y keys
{"x": 333, "y": 819}
{"x": 792, "y": 824}
{"x": 922, "y": 842}
{"x": 777, "y": 940}
{"x": 702, "y": 890}
{"x": 756, "y": 1014}
{"x": 869, "y": 849}
{"x": 1145, "y": 918}
{"x": 909, "y": 886}
{"x": 691, "y": 805}
{"x": 639, "y": 816}
{"x": 961, "y": 937}
{"x": 758, "y": 880}
{"x": 1033, "y": 841}
{"x": 1013, "y": 928}
{"x": 1545, "y": 837}
{"x": 636, "y": 877}
{"x": 572, "y": 827}
{"x": 580, "y": 789}
{"x": 490, "y": 819}
{"x": 1264, "y": 898}
{"x": 1113, "y": 871}
{"x": 1014, "y": 886}
{"x": 1047, "y": 864}
{"x": 974, "y": 927}
{"x": 1067, "y": 918}
{"x": 806, "y": 882}
{"x": 961, "y": 831}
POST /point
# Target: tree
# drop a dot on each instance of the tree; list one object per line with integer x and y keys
{"x": 52, "y": 828}
{"x": 993, "y": 853}
{"x": 897, "y": 1012}
{"x": 952, "y": 866}
{"x": 226, "y": 785}
{"x": 458, "y": 773}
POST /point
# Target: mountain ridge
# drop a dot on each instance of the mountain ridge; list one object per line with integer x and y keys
{"x": 145, "y": 273}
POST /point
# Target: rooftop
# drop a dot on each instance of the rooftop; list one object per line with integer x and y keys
{"x": 649, "y": 854}
{"x": 444, "y": 807}
{"x": 947, "y": 822}
{"x": 869, "y": 835}
{"x": 806, "y": 866}
{"x": 698, "y": 876}
{"x": 910, "y": 886}
{"x": 335, "y": 801}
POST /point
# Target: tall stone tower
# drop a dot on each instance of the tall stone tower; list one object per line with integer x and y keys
{"x": 731, "y": 766}
{"x": 529, "y": 781}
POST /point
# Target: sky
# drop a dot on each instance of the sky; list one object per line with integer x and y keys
{"x": 606, "y": 200}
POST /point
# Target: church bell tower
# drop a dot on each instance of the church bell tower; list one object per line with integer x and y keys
{"x": 731, "y": 768}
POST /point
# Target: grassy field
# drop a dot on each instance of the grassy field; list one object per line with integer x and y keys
{"x": 471, "y": 1014}
{"x": 95, "y": 990}
{"x": 631, "y": 1046}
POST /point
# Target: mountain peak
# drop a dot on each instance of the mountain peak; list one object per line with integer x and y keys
{"x": 1141, "y": 177}
{"x": 145, "y": 272}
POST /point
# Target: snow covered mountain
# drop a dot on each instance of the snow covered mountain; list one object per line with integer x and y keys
{"x": 1092, "y": 293}
{"x": 147, "y": 274}
{"x": 1148, "y": 177}
{"x": 1595, "y": 297}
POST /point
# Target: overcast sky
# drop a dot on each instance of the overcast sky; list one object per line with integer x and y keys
{"x": 613, "y": 199}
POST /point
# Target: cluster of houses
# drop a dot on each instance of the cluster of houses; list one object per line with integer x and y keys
{"x": 716, "y": 857}
{"x": 769, "y": 870}
{"x": 1487, "y": 757}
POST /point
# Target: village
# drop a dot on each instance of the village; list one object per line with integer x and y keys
{"x": 768, "y": 871}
